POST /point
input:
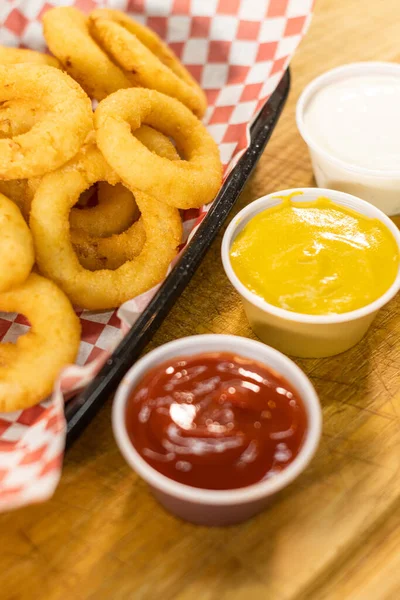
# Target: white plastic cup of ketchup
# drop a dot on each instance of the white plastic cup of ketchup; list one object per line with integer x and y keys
{"x": 217, "y": 507}
{"x": 299, "y": 334}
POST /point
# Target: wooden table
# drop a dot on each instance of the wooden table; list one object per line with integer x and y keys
{"x": 335, "y": 533}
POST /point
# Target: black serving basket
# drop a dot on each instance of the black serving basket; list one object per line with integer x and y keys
{"x": 81, "y": 409}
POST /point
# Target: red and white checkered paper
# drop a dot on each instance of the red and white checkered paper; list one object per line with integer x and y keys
{"x": 238, "y": 50}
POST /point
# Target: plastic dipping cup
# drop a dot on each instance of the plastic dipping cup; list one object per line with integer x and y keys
{"x": 217, "y": 507}
{"x": 298, "y": 334}
{"x": 380, "y": 187}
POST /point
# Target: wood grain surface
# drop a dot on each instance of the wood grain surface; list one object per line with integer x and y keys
{"x": 335, "y": 533}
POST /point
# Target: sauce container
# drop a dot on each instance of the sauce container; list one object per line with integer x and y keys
{"x": 217, "y": 507}
{"x": 298, "y": 334}
{"x": 378, "y": 186}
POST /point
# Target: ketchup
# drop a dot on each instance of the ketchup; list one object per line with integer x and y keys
{"x": 216, "y": 421}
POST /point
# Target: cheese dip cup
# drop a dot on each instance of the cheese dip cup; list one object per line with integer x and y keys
{"x": 299, "y": 334}
{"x": 349, "y": 119}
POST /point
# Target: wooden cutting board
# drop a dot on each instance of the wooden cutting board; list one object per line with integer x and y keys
{"x": 335, "y": 533}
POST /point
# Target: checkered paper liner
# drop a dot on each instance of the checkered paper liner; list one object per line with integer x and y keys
{"x": 238, "y": 50}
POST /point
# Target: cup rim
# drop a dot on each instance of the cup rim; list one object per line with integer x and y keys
{"x": 236, "y": 496}
{"x": 319, "y": 82}
{"x": 272, "y": 199}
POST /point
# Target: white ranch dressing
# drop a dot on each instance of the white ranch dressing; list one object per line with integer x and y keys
{"x": 357, "y": 120}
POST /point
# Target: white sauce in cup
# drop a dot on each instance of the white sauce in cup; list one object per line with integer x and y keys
{"x": 357, "y": 119}
{"x": 350, "y": 119}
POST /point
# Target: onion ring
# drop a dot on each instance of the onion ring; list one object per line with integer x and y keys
{"x": 142, "y": 54}
{"x": 108, "y": 252}
{"x": 16, "y": 246}
{"x": 29, "y": 368}
{"x": 49, "y": 221}
{"x": 67, "y": 35}
{"x": 18, "y": 117}
{"x": 30, "y": 190}
{"x": 115, "y": 211}
{"x": 156, "y": 142}
{"x": 17, "y": 191}
{"x": 58, "y": 135}
{"x": 14, "y": 56}
{"x": 189, "y": 183}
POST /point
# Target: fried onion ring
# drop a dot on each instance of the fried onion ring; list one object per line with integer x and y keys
{"x": 29, "y": 368}
{"x": 142, "y": 54}
{"x": 156, "y": 142}
{"x": 115, "y": 211}
{"x": 184, "y": 184}
{"x": 18, "y": 117}
{"x": 17, "y": 191}
{"x": 58, "y": 134}
{"x": 14, "y": 56}
{"x": 111, "y": 252}
{"x": 16, "y": 246}
{"x": 31, "y": 185}
{"x": 67, "y": 35}
{"x": 49, "y": 220}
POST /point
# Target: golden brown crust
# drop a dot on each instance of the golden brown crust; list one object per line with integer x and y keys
{"x": 29, "y": 368}
{"x": 115, "y": 212}
{"x": 61, "y": 130}
{"x": 144, "y": 56}
{"x": 185, "y": 183}
{"x": 66, "y": 32}
{"x": 16, "y": 246}
{"x": 49, "y": 221}
{"x": 14, "y": 56}
{"x": 111, "y": 252}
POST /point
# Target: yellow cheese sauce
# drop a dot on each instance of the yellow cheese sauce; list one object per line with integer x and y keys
{"x": 315, "y": 257}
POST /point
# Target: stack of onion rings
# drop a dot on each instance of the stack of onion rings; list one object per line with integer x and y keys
{"x": 191, "y": 182}
{"x": 116, "y": 208}
{"x": 114, "y": 212}
{"x": 58, "y": 192}
{"x": 66, "y": 122}
{"x": 106, "y": 236}
{"x": 108, "y": 51}
{"x": 67, "y": 35}
{"x": 111, "y": 252}
{"x": 145, "y": 154}
{"x": 142, "y": 54}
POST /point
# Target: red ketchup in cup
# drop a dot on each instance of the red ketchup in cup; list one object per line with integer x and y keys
{"x": 216, "y": 421}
